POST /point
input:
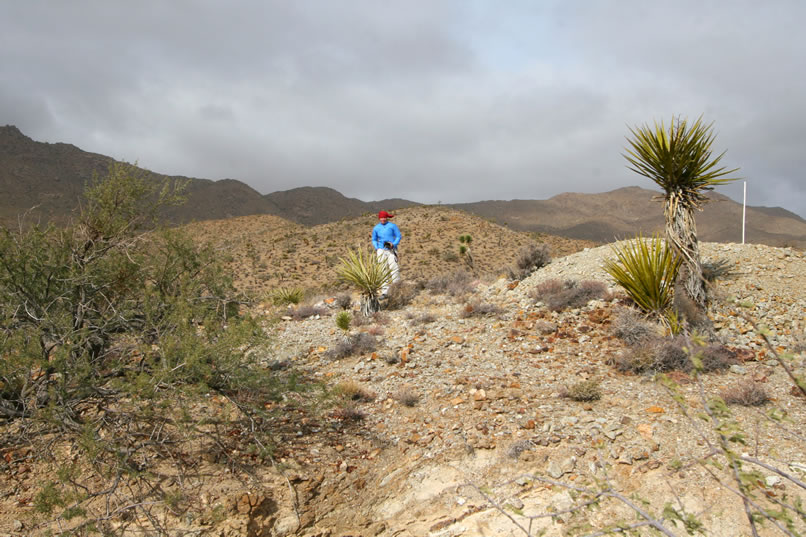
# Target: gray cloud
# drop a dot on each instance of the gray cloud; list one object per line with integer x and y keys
{"x": 432, "y": 101}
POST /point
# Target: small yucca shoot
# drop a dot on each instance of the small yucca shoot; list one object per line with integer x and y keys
{"x": 343, "y": 319}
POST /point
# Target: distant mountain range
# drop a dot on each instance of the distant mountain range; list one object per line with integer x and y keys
{"x": 51, "y": 177}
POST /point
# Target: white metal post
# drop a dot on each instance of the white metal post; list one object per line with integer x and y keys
{"x": 744, "y": 209}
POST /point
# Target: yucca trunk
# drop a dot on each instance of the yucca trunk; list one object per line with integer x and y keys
{"x": 681, "y": 235}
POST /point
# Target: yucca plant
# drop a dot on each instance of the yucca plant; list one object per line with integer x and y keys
{"x": 284, "y": 296}
{"x": 679, "y": 160}
{"x": 364, "y": 270}
{"x": 646, "y": 269}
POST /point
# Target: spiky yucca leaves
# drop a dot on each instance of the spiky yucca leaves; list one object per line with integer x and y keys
{"x": 364, "y": 270}
{"x": 679, "y": 160}
{"x": 646, "y": 269}
{"x": 284, "y": 296}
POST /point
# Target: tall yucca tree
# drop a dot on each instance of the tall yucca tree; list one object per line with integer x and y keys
{"x": 680, "y": 161}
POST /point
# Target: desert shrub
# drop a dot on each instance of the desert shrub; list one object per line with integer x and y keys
{"x": 632, "y": 328}
{"x": 407, "y": 397}
{"x": 111, "y": 326}
{"x": 306, "y": 311}
{"x": 530, "y": 259}
{"x": 479, "y": 309}
{"x": 399, "y": 295}
{"x": 558, "y": 296}
{"x": 663, "y": 354}
{"x": 349, "y": 412}
{"x": 586, "y": 390}
{"x": 343, "y": 301}
{"x": 356, "y": 344}
{"x": 450, "y": 257}
{"x": 747, "y": 393}
{"x": 646, "y": 269}
{"x": 284, "y": 296}
{"x": 353, "y": 391}
{"x": 425, "y": 318}
{"x": 456, "y": 283}
{"x": 716, "y": 357}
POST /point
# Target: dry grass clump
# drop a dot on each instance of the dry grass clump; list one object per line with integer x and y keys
{"x": 558, "y": 296}
{"x": 425, "y": 318}
{"x": 400, "y": 295}
{"x": 480, "y": 309}
{"x": 407, "y": 397}
{"x": 378, "y": 318}
{"x": 349, "y": 412}
{"x": 586, "y": 390}
{"x": 659, "y": 355}
{"x": 747, "y": 393}
{"x": 353, "y": 391}
{"x": 456, "y": 283}
{"x": 356, "y": 344}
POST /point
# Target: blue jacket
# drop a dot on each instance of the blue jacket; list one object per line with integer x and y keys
{"x": 387, "y": 232}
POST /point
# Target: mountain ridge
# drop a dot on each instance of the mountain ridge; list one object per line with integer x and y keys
{"x": 50, "y": 177}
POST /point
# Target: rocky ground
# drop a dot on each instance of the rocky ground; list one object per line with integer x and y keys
{"x": 489, "y": 406}
{"x": 462, "y": 428}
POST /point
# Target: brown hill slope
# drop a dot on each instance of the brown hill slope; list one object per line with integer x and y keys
{"x": 312, "y": 206}
{"x": 51, "y": 177}
{"x": 269, "y": 252}
{"x": 627, "y": 211}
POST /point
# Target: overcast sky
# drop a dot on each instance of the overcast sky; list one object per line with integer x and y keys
{"x": 428, "y": 100}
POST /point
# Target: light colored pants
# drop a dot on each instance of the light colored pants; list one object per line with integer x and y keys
{"x": 388, "y": 257}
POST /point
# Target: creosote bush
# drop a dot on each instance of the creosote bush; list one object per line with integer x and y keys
{"x": 110, "y": 330}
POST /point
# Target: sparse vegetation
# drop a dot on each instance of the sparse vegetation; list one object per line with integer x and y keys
{"x": 480, "y": 309}
{"x": 747, "y": 393}
{"x": 558, "y": 296}
{"x": 586, "y": 390}
{"x": 356, "y": 344}
{"x": 457, "y": 283}
{"x": 530, "y": 259}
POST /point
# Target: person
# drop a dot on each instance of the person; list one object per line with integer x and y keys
{"x": 385, "y": 238}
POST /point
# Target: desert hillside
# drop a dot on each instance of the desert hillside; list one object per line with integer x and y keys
{"x": 269, "y": 252}
{"x": 453, "y": 413}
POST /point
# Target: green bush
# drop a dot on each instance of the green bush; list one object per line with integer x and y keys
{"x": 110, "y": 328}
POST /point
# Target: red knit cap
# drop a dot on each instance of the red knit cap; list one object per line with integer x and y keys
{"x": 384, "y": 214}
